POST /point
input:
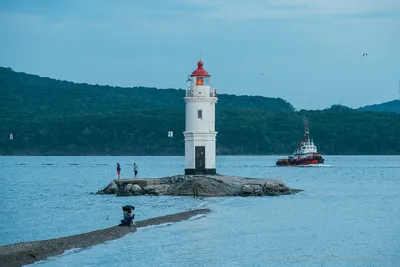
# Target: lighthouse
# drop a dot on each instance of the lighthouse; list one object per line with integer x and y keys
{"x": 200, "y": 134}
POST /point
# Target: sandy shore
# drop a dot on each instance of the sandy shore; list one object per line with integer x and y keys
{"x": 29, "y": 252}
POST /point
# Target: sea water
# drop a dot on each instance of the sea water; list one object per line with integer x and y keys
{"x": 348, "y": 214}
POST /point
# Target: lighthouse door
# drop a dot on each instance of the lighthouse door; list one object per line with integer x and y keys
{"x": 200, "y": 159}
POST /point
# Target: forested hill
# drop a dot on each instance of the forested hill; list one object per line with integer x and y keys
{"x": 391, "y": 106}
{"x": 53, "y": 117}
{"x": 31, "y": 95}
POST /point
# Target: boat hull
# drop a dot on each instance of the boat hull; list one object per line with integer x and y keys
{"x": 310, "y": 160}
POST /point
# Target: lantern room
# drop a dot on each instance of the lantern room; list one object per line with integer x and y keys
{"x": 200, "y": 76}
{"x": 200, "y": 83}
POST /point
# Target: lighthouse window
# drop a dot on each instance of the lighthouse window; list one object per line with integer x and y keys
{"x": 200, "y": 114}
{"x": 199, "y": 81}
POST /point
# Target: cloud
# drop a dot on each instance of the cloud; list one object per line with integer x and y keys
{"x": 184, "y": 17}
{"x": 238, "y": 10}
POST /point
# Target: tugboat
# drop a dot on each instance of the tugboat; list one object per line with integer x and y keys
{"x": 306, "y": 154}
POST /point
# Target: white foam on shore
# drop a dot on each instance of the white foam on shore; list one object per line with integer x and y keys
{"x": 196, "y": 217}
{"x": 153, "y": 226}
{"x": 72, "y": 250}
{"x": 193, "y": 218}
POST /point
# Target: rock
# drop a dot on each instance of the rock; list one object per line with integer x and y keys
{"x": 158, "y": 189}
{"x": 135, "y": 189}
{"x": 175, "y": 179}
{"x": 198, "y": 185}
{"x": 270, "y": 190}
{"x": 128, "y": 187}
{"x": 284, "y": 189}
{"x": 258, "y": 190}
{"x": 111, "y": 188}
{"x": 252, "y": 190}
{"x": 268, "y": 185}
{"x": 203, "y": 186}
{"x": 247, "y": 190}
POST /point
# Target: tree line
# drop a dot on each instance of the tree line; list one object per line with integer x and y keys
{"x": 53, "y": 117}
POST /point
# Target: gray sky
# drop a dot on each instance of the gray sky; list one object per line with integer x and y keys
{"x": 309, "y": 51}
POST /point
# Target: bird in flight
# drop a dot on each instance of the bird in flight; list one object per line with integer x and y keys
{"x": 365, "y": 54}
{"x": 188, "y": 79}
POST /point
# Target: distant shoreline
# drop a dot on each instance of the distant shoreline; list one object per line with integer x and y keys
{"x": 29, "y": 252}
{"x": 173, "y": 155}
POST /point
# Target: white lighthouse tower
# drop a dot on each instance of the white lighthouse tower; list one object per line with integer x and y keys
{"x": 200, "y": 134}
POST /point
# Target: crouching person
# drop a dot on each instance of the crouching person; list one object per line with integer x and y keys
{"x": 128, "y": 216}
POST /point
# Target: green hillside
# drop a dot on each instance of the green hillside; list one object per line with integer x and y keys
{"x": 53, "y": 117}
{"x": 391, "y": 106}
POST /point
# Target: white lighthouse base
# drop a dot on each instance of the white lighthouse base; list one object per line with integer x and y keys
{"x": 200, "y": 153}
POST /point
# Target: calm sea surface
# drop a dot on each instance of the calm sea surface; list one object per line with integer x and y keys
{"x": 348, "y": 215}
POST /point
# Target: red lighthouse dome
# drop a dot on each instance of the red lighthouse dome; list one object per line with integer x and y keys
{"x": 200, "y": 71}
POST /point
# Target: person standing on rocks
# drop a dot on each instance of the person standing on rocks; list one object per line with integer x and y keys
{"x": 118, "y": 170}
{"x": 135, "y": 169}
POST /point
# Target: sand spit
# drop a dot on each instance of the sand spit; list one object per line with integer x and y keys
{"x": 29, "y": 252}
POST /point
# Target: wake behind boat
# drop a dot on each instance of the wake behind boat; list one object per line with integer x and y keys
{"x": 306, "y": 154}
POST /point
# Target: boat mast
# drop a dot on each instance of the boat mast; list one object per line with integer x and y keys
{"x": 306, "y": 133}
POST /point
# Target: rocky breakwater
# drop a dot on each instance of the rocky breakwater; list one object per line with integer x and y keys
{"x": 198, "y": 185}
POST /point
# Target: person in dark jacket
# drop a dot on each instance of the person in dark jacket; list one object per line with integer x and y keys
{"x": 129, "y": 216}
{"x": 135, "y": 169}
{"x": 118, "y": 170}
{"x": 127, "y": 221}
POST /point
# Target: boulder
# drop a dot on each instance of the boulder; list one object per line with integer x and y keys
{"x": 157, "y": 189}
{"x": 247, "y": 190}
{"x": 252, "y": 190}
{"x": 271, "y": 189}
{"x": 111, "y": 188}
{"x": 175, "y": 179}
{"x": 203, "y": 186}
{"x": 135, "y": 189}
{"x": 268, "y": 186}
{"x": 257, "y": 190}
